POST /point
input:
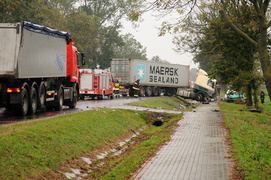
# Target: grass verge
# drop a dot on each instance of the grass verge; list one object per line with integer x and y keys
{"x": 163, "y": 102}
{"x": 27, "y": 149}
{"x": 250, "y": 137}
{"x": 39, "y": 148}
{"x": 145, "y": 147}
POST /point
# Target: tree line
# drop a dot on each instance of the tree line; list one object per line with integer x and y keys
{"x": 94, "y": 25}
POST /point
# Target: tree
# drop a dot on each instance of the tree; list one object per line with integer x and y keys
{"x": 35, "y": 11}
{"x": 110, "y": 40}
{"x": 130, "y": 48}
{"x": 65, "y": 6}
{"x": 234, "y": 57}
{"x": 158, "y": 59}
{"x": 110, "y": 12}
{"x": 263, "y": 22}
{"x": 86, "y": 34}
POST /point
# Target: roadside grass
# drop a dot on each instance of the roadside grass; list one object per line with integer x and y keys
{"x": 162, "y": 102}
{"x": 250, "y": 137}
{"x": 149, "y": 142}
{"x": 28, "y": 149}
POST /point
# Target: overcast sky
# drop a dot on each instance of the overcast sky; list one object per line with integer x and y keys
{"x": 147, "y": 35}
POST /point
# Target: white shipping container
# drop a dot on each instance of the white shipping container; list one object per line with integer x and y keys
{"x": 150, "y": 73}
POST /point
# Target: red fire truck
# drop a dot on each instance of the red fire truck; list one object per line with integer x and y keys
{"x": 95, "y": 83}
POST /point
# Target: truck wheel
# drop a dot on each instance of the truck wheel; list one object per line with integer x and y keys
{"x": 82, "y": 97}
{"x": 148, "y": 91}
{"x": 200, "y": 97}
{"x": 42, "y": 96}
{"x": 9, "y": 107}
{"x": 170, "y": 92}
{"x": 74, "y": 99}
{"x": 155, "y": 91}
{"x": 59, "y": 102}
{"x": 23, "y": 106}
{"x": 142, "y": 91}
{"x": 33, "y": 105}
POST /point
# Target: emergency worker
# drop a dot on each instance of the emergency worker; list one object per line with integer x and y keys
{"x": 117, "y": 88}
{"x": 136, "y": 88}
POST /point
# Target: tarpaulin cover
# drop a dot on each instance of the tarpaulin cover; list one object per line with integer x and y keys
{"x": 46, "y": 30}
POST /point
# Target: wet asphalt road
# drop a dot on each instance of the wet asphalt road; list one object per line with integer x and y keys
{"x": 7, "y": 117}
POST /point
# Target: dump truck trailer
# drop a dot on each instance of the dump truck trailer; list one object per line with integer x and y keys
{"x": 38, "y": 68}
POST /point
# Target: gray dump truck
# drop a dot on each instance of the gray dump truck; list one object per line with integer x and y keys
{"x": 38, "y": 68}
{"x": 156, "y": 78}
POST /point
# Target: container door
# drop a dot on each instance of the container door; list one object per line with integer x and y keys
{"x": 120, "y": 68}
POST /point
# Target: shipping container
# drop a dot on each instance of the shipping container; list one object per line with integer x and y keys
{"x": 155, "y": 77}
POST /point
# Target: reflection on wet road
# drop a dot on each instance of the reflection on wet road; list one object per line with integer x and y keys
{"x": 7, "y": 117}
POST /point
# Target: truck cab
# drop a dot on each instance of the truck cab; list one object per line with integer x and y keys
{"x": 204, "y": 87}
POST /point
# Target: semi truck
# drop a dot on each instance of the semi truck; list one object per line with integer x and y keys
{"x": 156, "y": 78}
{"x": 95, "y": 83}
{"x": 39, "y": 68}
{"x": 204, "y": 88}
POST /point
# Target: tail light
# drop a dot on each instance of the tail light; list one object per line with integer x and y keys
{"x": 13, "y": 90}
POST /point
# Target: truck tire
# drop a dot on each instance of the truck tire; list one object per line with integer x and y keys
{"x": 142, "y": 91}
{"x": 41, "y": 96}
{"x": 155, "y": 91}
{"x": 60, "y": 100}
{"x": 22, "y": 108}
{"x": 33, "y": 101}
{"x": 148, "y": 91}
{"x": 82, "y": 97}
{"x": 200, "y": 97}
{"x": 170, "y": 92}
{"x": 73, "y": 103}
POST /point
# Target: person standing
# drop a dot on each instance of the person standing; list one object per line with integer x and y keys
{"x": 262, "y": 96}
{"x": 117, "y": 88}
{"x": 218, "y": 89}
{"x": 136, "y": 88}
